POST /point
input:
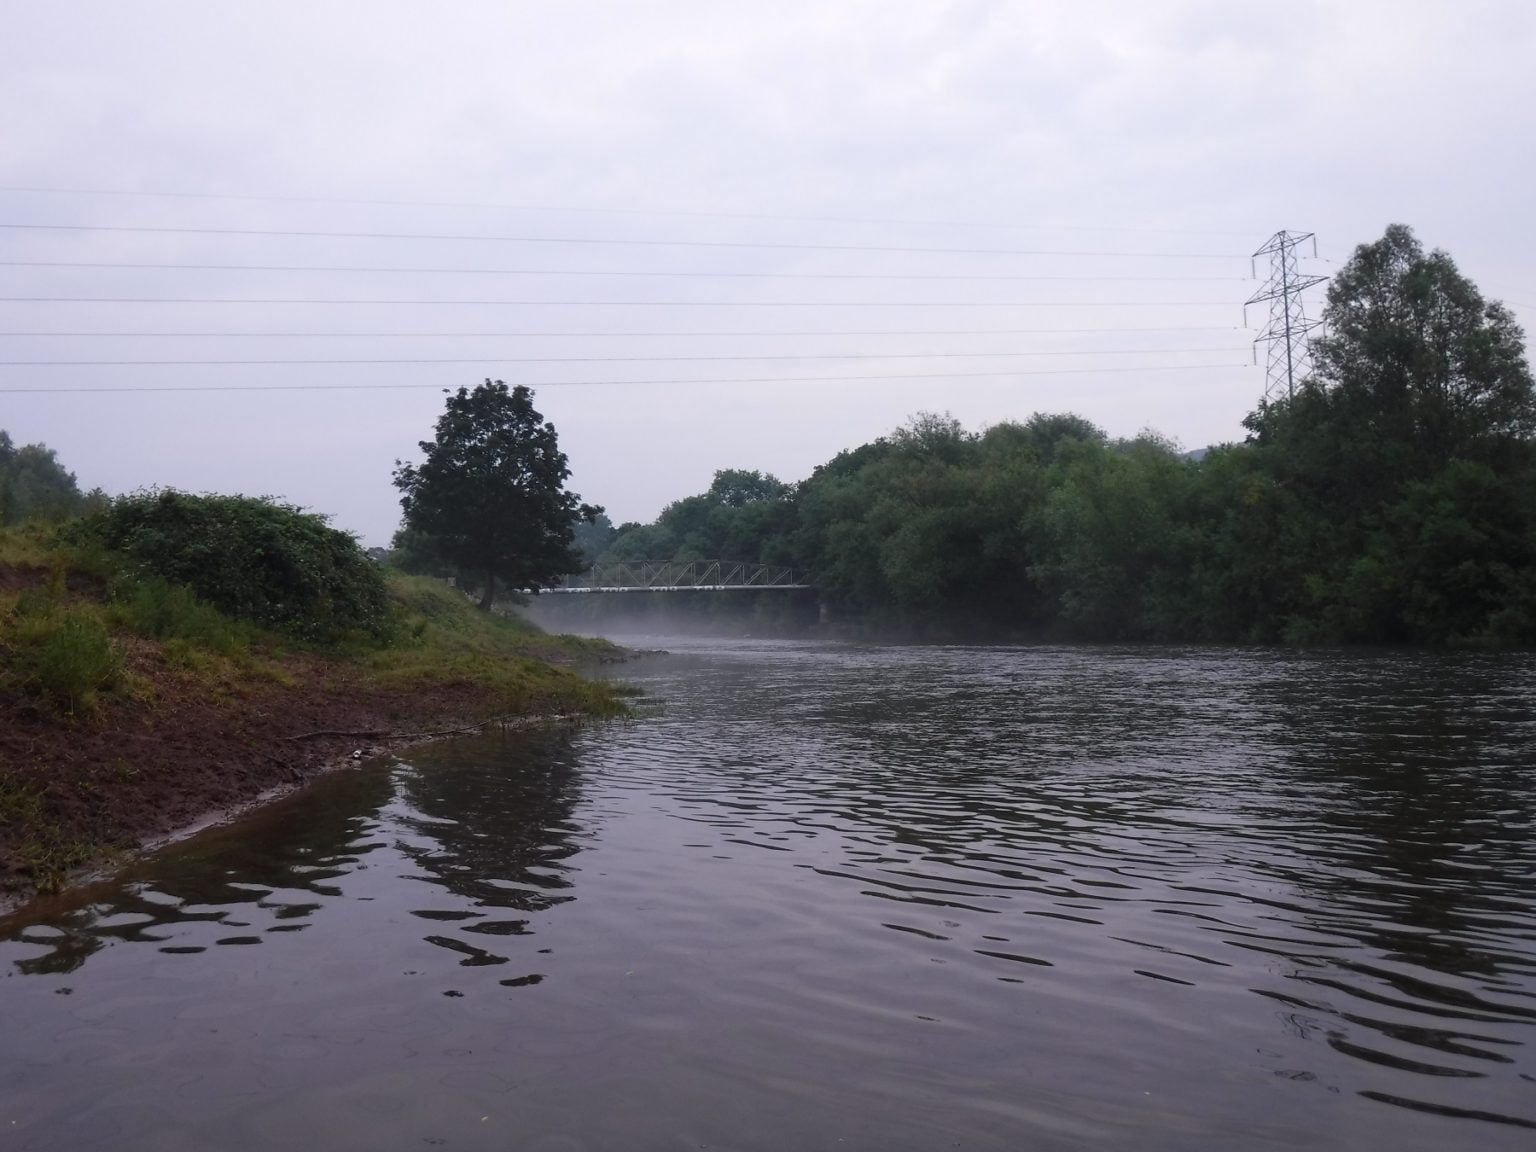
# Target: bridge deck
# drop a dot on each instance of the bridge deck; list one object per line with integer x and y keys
{"x": 679, "y": 576}
{"x": 669, "y": 588}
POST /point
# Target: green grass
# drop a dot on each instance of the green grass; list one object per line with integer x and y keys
{"x": 28, "y": 545}
{"x": 58, "y": 651}
{"x": 64, "y": 646}
{"x": 67, "y": 659}
{"x": 163, "y": 611}
{"x": 78, "y": 624}
{"x": 440, "y": 637}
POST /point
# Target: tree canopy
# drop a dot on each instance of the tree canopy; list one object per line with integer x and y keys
{"x": 33, "y": 484}
{"x": 489, "y": 496}
{"x": 1391, "y": 500}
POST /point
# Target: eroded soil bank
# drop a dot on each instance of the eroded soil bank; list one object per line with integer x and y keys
{"x": 189, "y": 733}
{"x": 74, "y": 791}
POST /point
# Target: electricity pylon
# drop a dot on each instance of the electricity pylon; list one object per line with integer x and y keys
{"x": 1289, "y": 356}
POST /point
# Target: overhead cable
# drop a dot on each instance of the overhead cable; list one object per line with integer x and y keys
{"x": 18, "y": 226}
{"x": 592, "y": 272}
{"x": 624, "y": 383}
{"x": 625, "y": 303}
{"x": 607, "y": 211}
{"x": 631, "y": 333}
{"x": 619, "y": 359}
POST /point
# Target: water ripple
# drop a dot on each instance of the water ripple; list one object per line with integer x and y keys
{"x": 1062, "y": 898}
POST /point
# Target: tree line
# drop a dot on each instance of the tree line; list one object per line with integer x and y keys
{"x": 1391, "y": 499}
{"x": 35, "y": 486}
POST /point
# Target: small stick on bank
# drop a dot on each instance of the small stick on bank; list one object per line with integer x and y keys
{"x": 381, "y": 734}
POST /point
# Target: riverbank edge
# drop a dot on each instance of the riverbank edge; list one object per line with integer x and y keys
{"x": 185, "y": 732}
{"x": 69, "y": 889}
{"x": 107, "y": 814}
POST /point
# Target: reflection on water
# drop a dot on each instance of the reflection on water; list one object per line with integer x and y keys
{"x": 842, "y": 897}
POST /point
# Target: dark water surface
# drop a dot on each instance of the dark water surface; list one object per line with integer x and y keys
{"x": 842, "y": 898}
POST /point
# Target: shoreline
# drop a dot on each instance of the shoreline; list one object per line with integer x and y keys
{"x": 184, "y": 748}
{"x": 103, "y": 868}
{"x": 131, "y": 711}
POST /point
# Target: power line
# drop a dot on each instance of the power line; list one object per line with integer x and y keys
{"x": 754, "y": 244}
{"x": 627, "y": 303}
{"x": 695, "y": 214}
{"x": 624, "y": 383}
{"x": 631, "y": 333}
{"x": 614, "y": 359}
{"x": 590, "y": 272}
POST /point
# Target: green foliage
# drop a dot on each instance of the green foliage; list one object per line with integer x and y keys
{"x": 737, "y": 488}
{"x": 252, "y": 559}
{"x": 447, "y": 665}
{"x": 592, "y": 538}
{"x": 440, "y": 638}
{"x": 34, "y": 485}
{"x": 490, "y": 494}
{"x": 1391, "y": 500}
{"x": 1112, "y": 548}
{"x": 743, "y": 516}
{"x": 63, "y": 655}
{"x": 412, "y": 550}
{"x": 58, "y": 651}
{"x": 156, "y": 608}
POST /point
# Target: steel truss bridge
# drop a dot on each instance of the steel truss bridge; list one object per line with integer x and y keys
{"x": 677, "y": 576}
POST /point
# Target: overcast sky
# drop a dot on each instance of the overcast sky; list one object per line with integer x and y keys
{"x": 916, "y": 188}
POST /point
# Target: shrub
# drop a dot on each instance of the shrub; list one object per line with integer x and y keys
{"x": 156, "y": 608}
{"x": 67, "y": 658}
{"x": 251, "y": 558}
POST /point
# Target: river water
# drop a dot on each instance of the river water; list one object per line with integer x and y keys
{"x": 841, "y": 897}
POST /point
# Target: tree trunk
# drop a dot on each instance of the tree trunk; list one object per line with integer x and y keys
{"x": 490, "y": 592}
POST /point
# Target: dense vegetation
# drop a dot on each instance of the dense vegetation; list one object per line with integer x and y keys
{"x": 238, "y": 586}
{"x": 129, "y": 704}
{"x": 34, "y": 485}
{"x": 254, "y": 559}
{"x": 1391, "y": 500}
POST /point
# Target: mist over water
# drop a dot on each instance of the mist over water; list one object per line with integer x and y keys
{"x": 837, "y": 896}
{"x": 764, "y": 613}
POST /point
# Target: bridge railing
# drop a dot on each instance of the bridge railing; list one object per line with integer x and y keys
{"x": 671, "y": 575}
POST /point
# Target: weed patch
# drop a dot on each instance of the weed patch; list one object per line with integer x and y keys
{"x": 164, "y": 611}
{"x": 66, "y": 657}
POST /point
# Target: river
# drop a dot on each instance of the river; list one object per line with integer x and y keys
{"x": 840, "y": 897}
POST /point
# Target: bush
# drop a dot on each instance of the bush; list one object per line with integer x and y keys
{"x": 67, "y": 658}
{"x": 161, "y": 610}
{"x": 251, "y": 558}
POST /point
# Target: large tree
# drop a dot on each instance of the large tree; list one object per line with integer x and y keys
{"x": 490, "y": 494}
{"x": 1417, "y": 370}
{"x": 1419, "y": 348}
{"x": 1407, "y": 459}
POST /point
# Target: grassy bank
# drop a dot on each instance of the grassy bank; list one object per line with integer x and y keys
{"x": 130, "y": 707}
